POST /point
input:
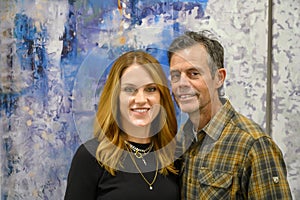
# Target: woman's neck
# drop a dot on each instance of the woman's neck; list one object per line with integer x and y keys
{"x": 138, "y": 140}
{"x": 138, "y": 134}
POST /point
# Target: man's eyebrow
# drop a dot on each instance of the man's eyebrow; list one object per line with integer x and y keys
{"x": 186, "y": 70}
{"x": 194, "y": 67}
{"x": 174, "y": 70}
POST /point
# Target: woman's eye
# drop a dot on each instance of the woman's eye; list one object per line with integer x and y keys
{"x": 151, "y": 89}
{"x": 129, "y": 89}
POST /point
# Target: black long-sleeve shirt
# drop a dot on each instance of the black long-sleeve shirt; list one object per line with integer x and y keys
{"x": 87, "y": 180}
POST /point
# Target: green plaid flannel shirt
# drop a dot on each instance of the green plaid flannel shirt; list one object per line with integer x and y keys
{"x": 232, "y": 159}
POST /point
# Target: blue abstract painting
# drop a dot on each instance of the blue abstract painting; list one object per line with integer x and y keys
{"x": 55, "y": 56}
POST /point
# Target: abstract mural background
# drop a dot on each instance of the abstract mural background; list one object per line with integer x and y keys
{"x": 55, "y": 55}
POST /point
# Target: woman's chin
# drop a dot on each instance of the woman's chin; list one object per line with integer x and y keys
{"x": 139, "y": 123}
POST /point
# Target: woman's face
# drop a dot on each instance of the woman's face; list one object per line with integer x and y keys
{"x": 139, "y": 97}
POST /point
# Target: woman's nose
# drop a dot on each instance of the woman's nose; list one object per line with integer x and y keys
{"x": 140, "y": 97}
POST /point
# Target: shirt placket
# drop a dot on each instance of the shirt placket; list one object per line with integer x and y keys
{"x": 192, "y": 162}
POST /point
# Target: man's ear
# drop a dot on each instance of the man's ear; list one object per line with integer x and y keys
{"x": 220, "y": 77}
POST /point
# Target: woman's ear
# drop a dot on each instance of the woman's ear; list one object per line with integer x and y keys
{"x": 220, "y": 77}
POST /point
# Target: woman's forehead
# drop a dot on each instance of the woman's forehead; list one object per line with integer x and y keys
{"x": 136, "y": 75}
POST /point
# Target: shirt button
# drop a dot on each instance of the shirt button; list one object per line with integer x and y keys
{"x": 276, "y": 179}
{"x": 189, "y": 180}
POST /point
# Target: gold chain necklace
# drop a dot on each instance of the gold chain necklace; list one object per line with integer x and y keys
{"x": 140, "y": 153}
{"x": 144, "y": 151}
{"x": 137, "y": 167}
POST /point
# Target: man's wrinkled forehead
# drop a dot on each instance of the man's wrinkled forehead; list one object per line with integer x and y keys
{"x": 180, "y": 62}
{"x": 189, "y": 56}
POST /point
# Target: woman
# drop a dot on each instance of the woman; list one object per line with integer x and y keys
{"x": 132, "y": 154}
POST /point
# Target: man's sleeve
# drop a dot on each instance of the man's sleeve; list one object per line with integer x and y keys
{"x": 265, "y": 175}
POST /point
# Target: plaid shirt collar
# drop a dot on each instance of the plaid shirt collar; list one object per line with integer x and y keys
{"x": 216, "y": 125}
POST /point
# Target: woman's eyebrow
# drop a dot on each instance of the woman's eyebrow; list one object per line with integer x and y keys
{"x": 133, "y": 85}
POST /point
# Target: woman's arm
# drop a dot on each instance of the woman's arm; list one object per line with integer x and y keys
{"x": 83, "y": 175}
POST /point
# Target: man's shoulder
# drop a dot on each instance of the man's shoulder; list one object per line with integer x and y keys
{"x": 248, "y": 126}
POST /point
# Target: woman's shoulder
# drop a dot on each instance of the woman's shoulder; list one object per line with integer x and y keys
{"x": 87, "y": 150}
{"x": 91, "y": 146}
{"x": 85, "y": 172}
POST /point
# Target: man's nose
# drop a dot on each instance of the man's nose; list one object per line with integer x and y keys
{"x": 183, "y": 81}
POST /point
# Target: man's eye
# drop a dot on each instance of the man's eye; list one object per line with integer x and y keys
{"x": 175, "y": 76}
{"x": 151, "y": 89}
{"x": 193, "y": 74}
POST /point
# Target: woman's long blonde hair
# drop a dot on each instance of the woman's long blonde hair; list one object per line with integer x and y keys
{"x": 110, "y": 135}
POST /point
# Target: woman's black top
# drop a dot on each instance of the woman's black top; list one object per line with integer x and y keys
{"x": 88, "y": 180}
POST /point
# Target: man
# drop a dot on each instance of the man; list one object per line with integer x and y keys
{"x": 229, "y": 156}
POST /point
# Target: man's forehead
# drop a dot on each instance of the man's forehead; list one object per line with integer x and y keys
{"x": 181, "y": 63}
{"x": 193, "y": 56}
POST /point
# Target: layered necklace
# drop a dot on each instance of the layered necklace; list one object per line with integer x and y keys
{"x": 141, "y": 152}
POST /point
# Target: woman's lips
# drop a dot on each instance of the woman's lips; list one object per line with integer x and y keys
{"x": 140, "y": 110}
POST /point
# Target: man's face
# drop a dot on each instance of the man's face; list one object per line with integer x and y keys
{"x": 191, "y": 79}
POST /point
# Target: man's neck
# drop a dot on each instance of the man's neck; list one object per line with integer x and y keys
{"x": 202, "y": 117}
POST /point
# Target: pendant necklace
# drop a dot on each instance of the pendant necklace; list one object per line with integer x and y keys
{"x": 140, "y": 153}
{"x": 142, "y": 175}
